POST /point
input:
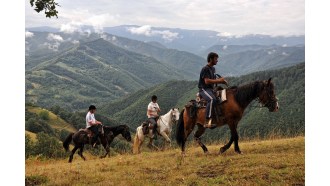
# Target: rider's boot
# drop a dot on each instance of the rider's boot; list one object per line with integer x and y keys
{"x": 208, "y": 123}
{"x": 155, "y": 132}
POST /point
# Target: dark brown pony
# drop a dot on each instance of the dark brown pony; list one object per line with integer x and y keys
{"x": 80, "y": 139}
{"x": 232, "y": 111}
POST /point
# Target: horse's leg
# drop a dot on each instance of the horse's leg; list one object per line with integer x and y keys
{"x": 225, "y": 147}
{"x": 237, "y": 150}
{"x": 167, "y": 139}
{"x": 80, "y": 152}
{"x": 72, "y": 153}
{"x": 106, "y": 146}
{"x": 200, "y": 131}
{"x": 140, "y": 142}
{"x": 233, "y": 138}
{"x": 151, "y": 145}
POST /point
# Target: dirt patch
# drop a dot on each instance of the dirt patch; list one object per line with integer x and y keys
{"x": 211, "y": 171}
{"x": 154, "y": 174}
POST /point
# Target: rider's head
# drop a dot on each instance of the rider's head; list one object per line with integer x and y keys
{"x": 154, "y": 98}
{"x": 92, "y": 107}
{"x": 212, "y": 57}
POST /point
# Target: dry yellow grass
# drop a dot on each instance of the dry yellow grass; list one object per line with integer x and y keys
{"x": 32, "y": 135}
{"x": 270, "y": 162}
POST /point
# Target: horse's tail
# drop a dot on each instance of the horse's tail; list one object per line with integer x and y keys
{"x": 67, "y": 141}
{"x": 136, "y": 144}
{"x": 180, "y": 131}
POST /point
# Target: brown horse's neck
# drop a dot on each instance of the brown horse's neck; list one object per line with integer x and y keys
{"x": 247, "y": 93}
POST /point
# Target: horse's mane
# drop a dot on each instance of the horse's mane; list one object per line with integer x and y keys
{"x": 115, "y": 129}
{"x": 246, "y": 93}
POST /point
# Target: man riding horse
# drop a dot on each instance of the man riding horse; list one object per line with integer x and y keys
{"x": 207, "y": 79}
{"x": 152, "y": 113}
{"x": 92, "y": 124}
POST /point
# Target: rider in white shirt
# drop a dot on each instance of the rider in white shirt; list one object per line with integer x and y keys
{"x": 92, "y": 124}
{"x": 152, "y": 113}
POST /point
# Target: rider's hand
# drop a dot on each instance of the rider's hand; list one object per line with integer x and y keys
{"x": 225, "y": 82}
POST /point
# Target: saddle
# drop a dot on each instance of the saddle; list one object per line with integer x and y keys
{"x": 200, "y": 102}
{"x": 89, "y": 132}
{"x": 147, "y": 126}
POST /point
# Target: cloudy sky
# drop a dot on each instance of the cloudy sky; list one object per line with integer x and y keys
{"x": 238, "y": 17}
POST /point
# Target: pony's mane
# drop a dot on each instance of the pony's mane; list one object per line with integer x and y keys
{"x": 115, "y": 129}
{"x": 246, "y": 93}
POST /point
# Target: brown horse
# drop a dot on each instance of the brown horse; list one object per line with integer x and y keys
{"x": 232, "y": 111}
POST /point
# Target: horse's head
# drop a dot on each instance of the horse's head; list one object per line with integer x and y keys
{"x": 125, "y": 133}
{"x": 267, "y": 96}
{"x": 175, "y": 114}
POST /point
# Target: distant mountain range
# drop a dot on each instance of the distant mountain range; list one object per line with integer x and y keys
{"x": 193, "y": 41}
{"x": 80, "y": 68}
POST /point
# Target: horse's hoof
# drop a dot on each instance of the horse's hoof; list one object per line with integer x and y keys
{"x": 238, "y": 152}
{"x": 222, "y": 150}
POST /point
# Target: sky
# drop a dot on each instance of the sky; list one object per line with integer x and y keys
{"x": 229, "y": 17}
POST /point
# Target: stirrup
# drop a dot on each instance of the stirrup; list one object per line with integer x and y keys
{"x": 209, "y": 124}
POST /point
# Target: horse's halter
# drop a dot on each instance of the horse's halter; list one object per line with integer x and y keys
{"x": 271, "y": 99}
{"x": 173, "y": 116}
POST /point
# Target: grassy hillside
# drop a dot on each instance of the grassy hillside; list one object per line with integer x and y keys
{"x": 53, "y": 120}
{"x": 93, "y": 72}
{"x": 270, "y": 162}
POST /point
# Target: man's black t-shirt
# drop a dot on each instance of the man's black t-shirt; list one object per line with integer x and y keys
{"x": 206, "y": 72}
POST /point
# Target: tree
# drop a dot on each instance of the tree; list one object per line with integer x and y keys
{"x": 48, "y": 5}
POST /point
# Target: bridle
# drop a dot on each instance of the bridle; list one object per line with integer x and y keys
{"x": 271, "y": 101}
{"x": 173, "y": 118}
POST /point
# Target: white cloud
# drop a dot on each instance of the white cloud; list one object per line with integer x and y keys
{"x": 28, "y": 34}
{"x": 52, "y": 46}
{"x": 225, "y": 34}
{"x": 75, "y": 42}
{"x": 54, "y": 37}
{"x": 71, "y": 27}
{"x": 143, "y": 30}
{"x": 148, "y": 31}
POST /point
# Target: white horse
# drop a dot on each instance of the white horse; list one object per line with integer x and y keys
{"x": 164, "y": 128}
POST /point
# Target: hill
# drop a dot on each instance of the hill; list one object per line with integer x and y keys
{"x": 289, "y": 88}
{"x": 38, "y": 120}
{"x": 53, "y": 120}
{"x": 248, "y": 59}
{"x": 270, "y": 162}
{"x": 93, "y": 72}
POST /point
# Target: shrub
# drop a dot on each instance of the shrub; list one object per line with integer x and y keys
{"x": 44, "y": 115}
{"x": 48, "y": 146}
{"x": 29, "y": 146}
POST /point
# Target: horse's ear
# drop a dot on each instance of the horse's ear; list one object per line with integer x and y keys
{"x": 173, "y": 109}
{"x": 268, "y": 83}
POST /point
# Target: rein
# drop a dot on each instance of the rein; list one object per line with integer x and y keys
{"x": 172, "y": 119}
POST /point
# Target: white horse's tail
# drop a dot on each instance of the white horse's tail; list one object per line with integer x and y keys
{"x": 137, "y": 142}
